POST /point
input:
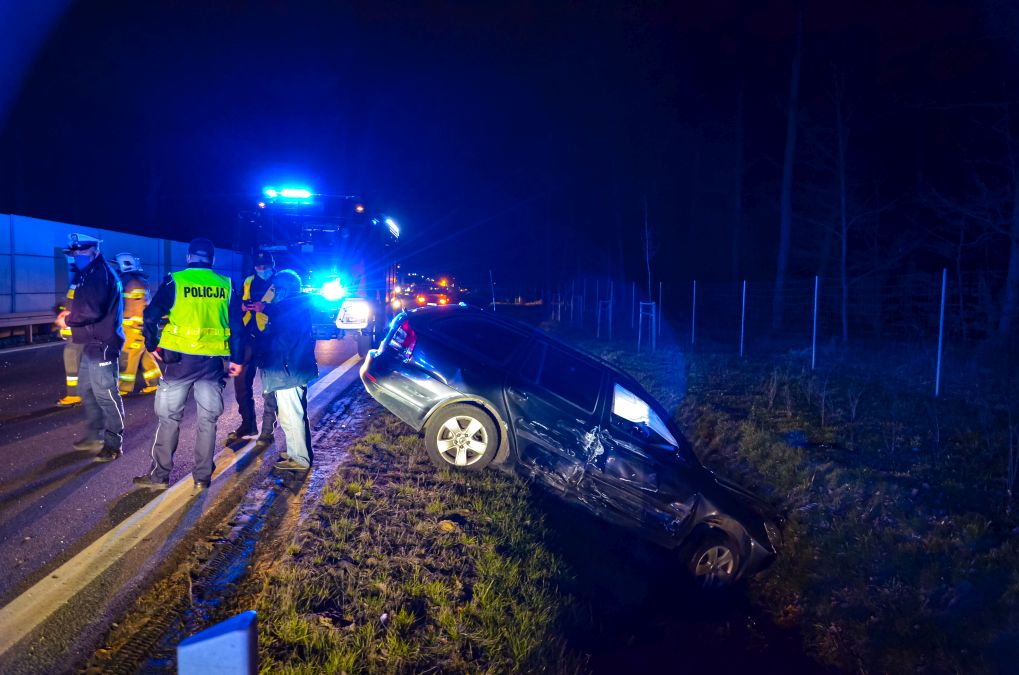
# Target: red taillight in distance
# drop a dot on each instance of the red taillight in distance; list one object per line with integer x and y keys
{"x": 404, "y": 340}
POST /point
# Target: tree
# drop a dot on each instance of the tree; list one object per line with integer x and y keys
{"x": 786, "y": 205}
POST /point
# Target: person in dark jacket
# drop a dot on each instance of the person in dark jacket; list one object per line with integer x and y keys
{"x": 288, "y": 364}
{"x": 94, "y": 317}
{"x": 202, "y": 313}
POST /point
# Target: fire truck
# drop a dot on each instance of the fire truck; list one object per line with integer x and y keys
{"x": 344, "y": 252}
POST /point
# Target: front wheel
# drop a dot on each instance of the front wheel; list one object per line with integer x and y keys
{"x": 713, "y": 562}
{"x": 462, "y": 437}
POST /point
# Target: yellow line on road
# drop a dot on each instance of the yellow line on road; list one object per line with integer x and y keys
{"x": 23, "y": 614}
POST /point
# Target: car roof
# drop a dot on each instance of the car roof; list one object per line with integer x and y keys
{"x": 430, "y": 314}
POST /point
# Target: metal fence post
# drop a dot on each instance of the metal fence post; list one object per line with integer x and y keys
{"x": 941, "y": 331}
{"x": 743, "y": 319}
{"x": 693, "y": 315}
{"x": 661, "y": 309}
{"x": 813, "y": 343}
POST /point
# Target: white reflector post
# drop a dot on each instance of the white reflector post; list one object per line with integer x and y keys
{"x": 228, "y": 648}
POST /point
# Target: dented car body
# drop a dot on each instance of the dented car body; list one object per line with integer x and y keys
{"x": 490, "y": 390}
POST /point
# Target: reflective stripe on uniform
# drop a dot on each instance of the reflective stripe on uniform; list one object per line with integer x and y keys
{"x": 138, "y": 294}
{"x": 72, "y": 381}
{"x": 127, "y": 377}
{"x": 149, "y": 374}
{"x": 261, "y": 320}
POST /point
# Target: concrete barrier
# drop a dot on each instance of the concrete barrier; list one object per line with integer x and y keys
{"x": 33, "y": 269}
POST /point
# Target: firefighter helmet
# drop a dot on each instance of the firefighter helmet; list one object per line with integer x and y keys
{"x": 127, "y": 262}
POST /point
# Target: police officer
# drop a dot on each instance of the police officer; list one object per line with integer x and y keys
{"x": 258, "y": 288}
{"x": 72, "y": 350}
{"x": 136, "y": 298}
{"x": 203, "y": 328}
{"x": 95, "y": 317}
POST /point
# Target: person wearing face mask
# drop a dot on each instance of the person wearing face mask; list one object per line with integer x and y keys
{"x": 258, "y": 288}
{"x": 94, "y": 317}
{"x": 287, "y": 363}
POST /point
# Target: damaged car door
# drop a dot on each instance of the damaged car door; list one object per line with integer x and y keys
{"x": 553, "y": 399}
{"x": 638, "y": 478}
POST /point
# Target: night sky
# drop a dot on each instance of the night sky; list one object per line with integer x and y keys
{"x": 521, "y": 137}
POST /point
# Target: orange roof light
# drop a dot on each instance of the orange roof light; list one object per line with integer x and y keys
{"x": 443, "y": 282}
{"x": 359, "y": 208}
{"x": 421, "y": 299}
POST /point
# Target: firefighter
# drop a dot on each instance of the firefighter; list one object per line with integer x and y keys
{"x": 136, "y": 299}
{"x": 95, "y": 317}
{"x": 258, "y": 287}
{"x": 203, "y": 328}
{"x": 72, "y": 350}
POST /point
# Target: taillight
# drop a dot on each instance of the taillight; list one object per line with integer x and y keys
{"x": 404, "y": 340}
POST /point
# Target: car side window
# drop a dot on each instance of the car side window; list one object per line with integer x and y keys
{"x": 570, "y": 378}
{"x": 496, "y": 343}
{"x": 530, "y": 368}
{"x": 634, "y": 416}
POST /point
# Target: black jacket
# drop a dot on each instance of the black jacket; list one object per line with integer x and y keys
{"x": 287, "y": 357}
{"x": 161, "y": 303}
{"x": 97, "y": 310}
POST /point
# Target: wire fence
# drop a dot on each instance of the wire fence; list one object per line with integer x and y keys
{"x": 942, "y": 326}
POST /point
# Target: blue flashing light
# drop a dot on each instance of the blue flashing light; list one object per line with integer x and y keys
{"x": 333, "y": 290}
{"x": 270, "y": 192}
{"x": 295, "y": 193}
{"x": 394, "y": 229}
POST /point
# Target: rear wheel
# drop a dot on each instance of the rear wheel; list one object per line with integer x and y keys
{"x": 713, "y": 561}
{"x": 462, "y": 437}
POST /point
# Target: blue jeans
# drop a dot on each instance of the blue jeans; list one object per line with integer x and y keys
{"x": 98, "y": 373}
{"x": 293, "y": 415}
{"x": 206, "y": 375}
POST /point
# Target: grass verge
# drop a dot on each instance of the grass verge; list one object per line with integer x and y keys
{"x": 401, "y": 567}
{"x": 899, "y": 555}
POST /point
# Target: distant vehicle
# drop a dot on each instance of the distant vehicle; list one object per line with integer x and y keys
{"x": 422, "y": 291}
{"x": 343, "y": 251}
{"x": 487, "y": 389}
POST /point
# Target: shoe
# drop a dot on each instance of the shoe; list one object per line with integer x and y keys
{"x": 89, "y": 444}
{"x": 238, "y": 434}
{"x": 69, "y": 401}
{"x": 147, "y": 481}
{"x": 265, "y": 440}
{"x": 108, "y": 454}
{"x": 199, "y": 487}
{"x": 291, "y": 465}
{"x": 150, "y": 389}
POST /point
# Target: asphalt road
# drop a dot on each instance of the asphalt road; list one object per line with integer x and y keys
{"x": 55, "y": 501}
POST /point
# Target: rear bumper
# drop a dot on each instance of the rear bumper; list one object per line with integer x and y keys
{"x": 408, "y": 395}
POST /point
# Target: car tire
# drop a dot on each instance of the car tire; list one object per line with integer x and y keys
{"x": 461, "y": 437}
{"x": 713, "y": 561}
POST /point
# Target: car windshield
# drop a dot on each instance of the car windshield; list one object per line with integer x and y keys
{"x": 633, "y": 408}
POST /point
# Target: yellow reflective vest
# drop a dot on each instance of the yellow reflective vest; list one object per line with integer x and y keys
{"x": 199, "y": 321}
{"x": 261, "y": 320}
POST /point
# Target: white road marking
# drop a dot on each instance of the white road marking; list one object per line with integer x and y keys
{"x": 23, "y": 614}
{"x": 28, "y": 348}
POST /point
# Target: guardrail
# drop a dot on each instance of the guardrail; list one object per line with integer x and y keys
{"x": 27, "y": 320}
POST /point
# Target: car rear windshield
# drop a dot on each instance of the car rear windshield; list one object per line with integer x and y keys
{"x": 490, "y": 340}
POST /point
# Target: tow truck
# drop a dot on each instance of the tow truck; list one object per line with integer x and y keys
{"x": 344, "y": 252}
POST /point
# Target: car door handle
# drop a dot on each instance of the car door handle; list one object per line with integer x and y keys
{"x": 517, "y": 394}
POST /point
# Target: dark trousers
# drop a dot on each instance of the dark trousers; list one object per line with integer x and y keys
{"x": 206, "y": 375}
{"x": 97, "y": 386}
{"x": 245, "y": 393}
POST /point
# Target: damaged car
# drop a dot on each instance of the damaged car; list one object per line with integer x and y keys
{"x": 486, "y": 391}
